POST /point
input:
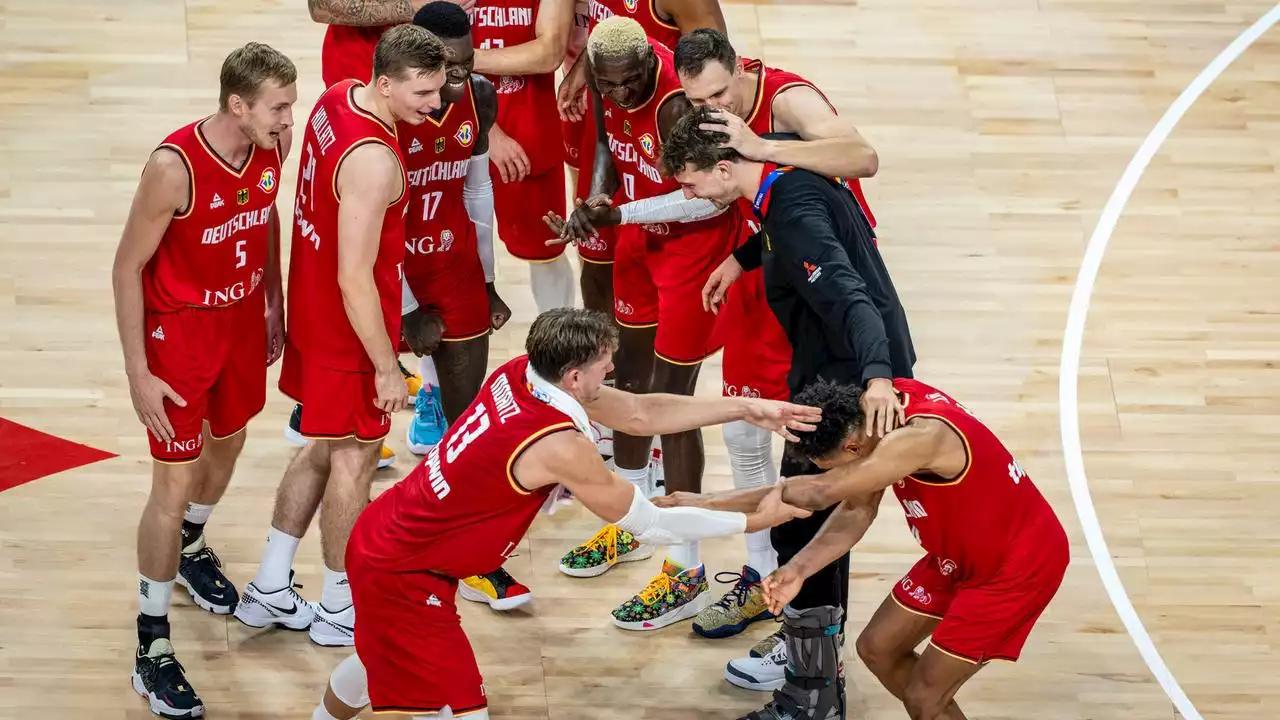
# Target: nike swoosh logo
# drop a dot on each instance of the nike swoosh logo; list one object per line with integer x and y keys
{"x": 275, "y": 608}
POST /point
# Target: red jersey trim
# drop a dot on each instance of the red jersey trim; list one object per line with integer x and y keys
{"x": 657, "y": 76}
{"x": 515, "y": 454}
{"x": 653, "y": 10}
{"x": 788, "y": 86}
{"x": 968, "y": 453}
{"x": 191, "y": 179}
{"x": 351, "y": 101}
{"x": 338, "y": 168}
{"x": 759, "y": 96}
{"x": 237, "y": 172}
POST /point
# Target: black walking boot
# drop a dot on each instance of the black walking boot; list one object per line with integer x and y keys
{"x": 814, "y": 687}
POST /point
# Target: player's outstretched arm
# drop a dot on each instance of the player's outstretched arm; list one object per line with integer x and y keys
{"x": 831, "y": 145}
{"x": 570, "y": 459}
{"x": 664, "y": 414}
{"x": 163, "y": 191}
{"x": 912, "y": 448}
{"x": 843, "y": 529}
{"x": 541, "y": 55}
{"x": 366, "y": 13}
{"x": 369, "y": 180}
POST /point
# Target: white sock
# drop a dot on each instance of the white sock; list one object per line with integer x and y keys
{"x": 427, "y": 369}
{"x": 638, "y": 477}
{"x": 751, "y": 459}
{"x": 198, "y": 514}
{"x": 154, "y": 596}
{"x": 552, "y": 283}
{"x": 337, "y": 593}
{"x": 685, "y": 555}
{"x": 277, "y": 561}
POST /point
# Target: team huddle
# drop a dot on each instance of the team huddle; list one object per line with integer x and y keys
{"x": 716, "y": 208}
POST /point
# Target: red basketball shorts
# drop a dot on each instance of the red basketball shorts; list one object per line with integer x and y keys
{"x": 571, "y": 135}
{"x": 336, "y": 404}
{"x": 411, "y": 642}
{"x": 446, "y": 277}
{"x": 520, "y": 207}
{"x": 991, "y": 618}
{"x": 658, "y": 279}
{"x": 216, "y": 360}
{"x": 757, "y": 354}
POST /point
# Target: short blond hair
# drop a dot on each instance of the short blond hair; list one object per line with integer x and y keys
{"x": 406, "y": 48}
{"x": 248, "y": 67}
{"x": 617, "y": 38}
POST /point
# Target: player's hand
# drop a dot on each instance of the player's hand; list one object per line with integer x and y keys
{"x": 275, "y": 331}
{"x": 393, "y": 394}
{"x": 680, "y": 498}
{"x": 781, "y": 587}
{"x": 717, "y": 286}
{"x": 781, "y": 417}
{"x": 499, "y": 313}
{"x": 148, "y": 393}
{"x": 571, "y": 96}
{"x": 741, "y": 137}
{"x": 507, "y": 155}
{"x": 882, "y": 408}
{"x": 772, "y": 511}
{"x": 588, "y": 215}
{"x": 422, "y": 332}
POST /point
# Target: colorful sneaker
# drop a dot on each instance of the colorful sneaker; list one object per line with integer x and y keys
{"x": 742, "y": 605}
{"x": 607, "y": 548}
{"x": 159, "y": 677}
{"x": 498, "y": 589}
{"x": 412, "y": 381}
{"x": 764, "y": 670}
{"x": 672, "y": 595}
{"x": 428, "y": 426}
{"x": 386, "y": 457}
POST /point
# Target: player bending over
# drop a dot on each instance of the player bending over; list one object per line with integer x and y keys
{"x": 465, "y": 508}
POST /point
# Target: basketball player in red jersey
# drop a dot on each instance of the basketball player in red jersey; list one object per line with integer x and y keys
{"x": 466, "y": 508}
{"x": 201, "y": 316}
{"x": 995, "y": 552}
{"x": 353, "y": 31}
{"x": 658, "y": 275}
{"x": 345, "y": 306}
{"x": 519, "y": 45}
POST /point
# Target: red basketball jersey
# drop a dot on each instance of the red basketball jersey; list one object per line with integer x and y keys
{"x": 317, "y": 317}
{"x": 526, "y": 103}
{"x": 347, "y": 52}
{"x": 215, "y": 252}
{"x": 461, "y": 512}
{"x": 437, "y": 154}
{"x": 969, "y": 521}
{"x": 642, "y": 11}
{"x": 636, "y": 145}
{"x": 772, "y": 83}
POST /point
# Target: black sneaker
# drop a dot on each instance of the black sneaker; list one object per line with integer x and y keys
{"x": 293, "y": 431}
{"x": 159, "y": 677}
{"x": 200, "y": 573}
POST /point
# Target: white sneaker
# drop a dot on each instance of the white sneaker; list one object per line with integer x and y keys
{"x": 334, "y": 628}
{"x": 765, "y": 673}
{"x": 284, "y": 607}
{"x": 657, "y": 476}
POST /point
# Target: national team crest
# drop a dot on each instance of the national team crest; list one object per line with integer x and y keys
{"x": 647, "y": 144}
{"x": 466, "y": 134}
{"x": 631, "y": 5}
{"x": 267, "y": 182}
{"x": 626, "y": 126}
{"x": 242, "y": 196}
{"x": 439, "y": 145}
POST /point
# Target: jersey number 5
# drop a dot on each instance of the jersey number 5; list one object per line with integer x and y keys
{"x": 472, "y": 427}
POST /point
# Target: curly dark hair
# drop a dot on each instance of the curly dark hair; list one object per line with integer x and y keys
{"x": 689, "y": 144}
{"x": 841, "y": 415}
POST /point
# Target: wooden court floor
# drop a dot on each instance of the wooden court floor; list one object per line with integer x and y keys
{"x": 1002, "y": 127}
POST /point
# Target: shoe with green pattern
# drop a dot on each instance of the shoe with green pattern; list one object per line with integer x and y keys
{"x": 672, "y": 595}
{"x": 607, "y": 548}
{"x": 738, "y": 608}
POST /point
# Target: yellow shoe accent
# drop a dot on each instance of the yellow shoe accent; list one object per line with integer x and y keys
{"x": 387, "y": 457}
{"x": 412, "y": 382}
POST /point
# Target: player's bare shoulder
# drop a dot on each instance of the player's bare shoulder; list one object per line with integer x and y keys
{"x": 167, "y": 181}
{"x": 370, "y": 169}
{"x": 567, "y": 457}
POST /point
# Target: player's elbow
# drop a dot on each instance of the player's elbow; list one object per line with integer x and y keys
{"x": 352, "y": 281}
{"x": 319, "y": 13}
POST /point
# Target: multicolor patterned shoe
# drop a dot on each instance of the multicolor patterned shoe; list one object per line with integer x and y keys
{"x": 498, "y": 589}
{"x": 742, "y": 605}
{"x": 673, "y": 595}
{"x": 607, "y": 548}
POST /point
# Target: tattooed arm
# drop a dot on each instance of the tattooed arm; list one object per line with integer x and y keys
{"x": 364, "y": 13}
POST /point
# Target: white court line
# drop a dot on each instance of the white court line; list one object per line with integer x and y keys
{"x": 1073, "y": 339}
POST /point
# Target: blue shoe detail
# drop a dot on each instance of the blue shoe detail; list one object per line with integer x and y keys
{"x": 427, "y": 428}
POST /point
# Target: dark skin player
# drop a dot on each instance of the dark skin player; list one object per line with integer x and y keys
{"x": 629, "y": 82}
{"x": 462, "y": 364}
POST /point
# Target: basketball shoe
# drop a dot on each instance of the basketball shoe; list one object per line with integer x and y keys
{"x": 333, "y": 628}
{"x": 293, "y": 433}
{"x": 764, "y": 668}
{"x": 160, "y": 678}
{"x": 283, "y": 607}
{"x": 412, "y": 383}
{"x": 498, "y": 589}
{"x": 429, "y": 424}
{"x": 200, "y": 572}
{"x": 672, "y": 595}
{"x": 813, "y": 688}
{"x": 607, "y": 548}
{"x": 742, "y": 605}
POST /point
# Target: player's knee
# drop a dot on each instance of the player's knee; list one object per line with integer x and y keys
{"x": 669, "y": 377}
{"x": 923, "y": 700}
{"x": 349, "y": 685}
{"x": 877, "y": 656}
{"x": 172, "y": 486}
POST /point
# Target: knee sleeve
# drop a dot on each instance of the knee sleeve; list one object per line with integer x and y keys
{"x": 447, "y": 714}
{"x": 349, "y": 683}
{"x": 552, "y": 284}
{"x": 750, "y": 454}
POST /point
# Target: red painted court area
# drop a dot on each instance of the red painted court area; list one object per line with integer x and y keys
{"x": 27, "y": 454}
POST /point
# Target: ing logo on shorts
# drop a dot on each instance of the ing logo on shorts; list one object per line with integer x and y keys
{"x": 466, "y": 134}
{"x": 267, "y": 182}
{"x": 647, "y": 144}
